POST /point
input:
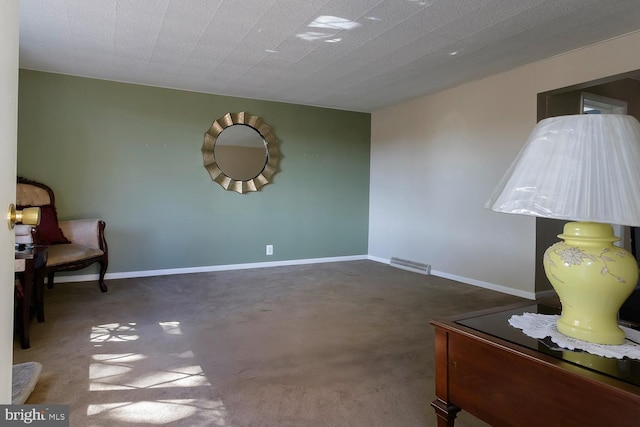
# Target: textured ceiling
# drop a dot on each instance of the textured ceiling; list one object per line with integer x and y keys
{"x": 349, "y": 54}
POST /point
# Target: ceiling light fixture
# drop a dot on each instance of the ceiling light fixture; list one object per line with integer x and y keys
{"x": 313, "y": 36}
{"x": 333, "y": 22}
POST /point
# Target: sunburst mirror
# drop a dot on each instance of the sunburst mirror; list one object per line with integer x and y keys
{"x": 240, "y": 152}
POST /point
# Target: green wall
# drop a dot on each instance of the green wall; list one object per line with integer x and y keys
{"x": 131, "y": 155}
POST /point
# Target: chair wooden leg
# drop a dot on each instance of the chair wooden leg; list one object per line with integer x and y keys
{"x": 103, "y": 271}
{"x": 50, "y": 280}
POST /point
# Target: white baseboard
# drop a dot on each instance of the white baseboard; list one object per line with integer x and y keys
{"x": 204, "y": 269}
{"x": 486, "y": 285}
{"x": 228, "y": 267}
{"x": 474, "y": 282}
{"x": 377, "y": 259}
{"x": 545, "y": 294}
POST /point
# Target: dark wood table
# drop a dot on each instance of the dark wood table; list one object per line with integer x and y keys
{"x": 30, "y": 280}
{"x": 500, "y": 375}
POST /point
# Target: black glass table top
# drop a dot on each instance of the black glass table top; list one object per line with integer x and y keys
{"x": 497, "y": 325}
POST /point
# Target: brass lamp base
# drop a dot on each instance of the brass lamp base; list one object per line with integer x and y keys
{"x": 593, "y": 278}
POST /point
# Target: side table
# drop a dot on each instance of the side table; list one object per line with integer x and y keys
{"x": 31, "y": 278}
{"x": 495, "y": 372}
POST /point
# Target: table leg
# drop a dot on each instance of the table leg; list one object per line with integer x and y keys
{"x": 445, "y": 412}
{"x": 27, "y": 284}
{"x": 38, "y": 285}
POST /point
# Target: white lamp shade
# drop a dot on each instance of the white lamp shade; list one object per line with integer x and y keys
{"x": 582, "y": 168}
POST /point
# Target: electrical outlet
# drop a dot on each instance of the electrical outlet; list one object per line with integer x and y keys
{"x": 269, "y": 249}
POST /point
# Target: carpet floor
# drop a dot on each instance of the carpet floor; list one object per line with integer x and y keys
{"x": 335, "y": 344}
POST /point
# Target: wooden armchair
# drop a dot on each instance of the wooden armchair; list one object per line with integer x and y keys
{"x": 72, "y": 245}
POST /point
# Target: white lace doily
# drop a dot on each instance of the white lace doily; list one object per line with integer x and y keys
{"x": 541, "y": 326}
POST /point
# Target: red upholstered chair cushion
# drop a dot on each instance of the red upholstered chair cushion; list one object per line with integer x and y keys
{"x": 49, "y": 232}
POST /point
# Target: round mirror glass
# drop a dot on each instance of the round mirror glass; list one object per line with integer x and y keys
{"x": 240, "y": 152}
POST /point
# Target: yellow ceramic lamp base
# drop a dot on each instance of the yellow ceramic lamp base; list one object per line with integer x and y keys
{"x": 593, "y": 278}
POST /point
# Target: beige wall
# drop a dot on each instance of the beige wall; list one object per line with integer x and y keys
{"x": 435, "y": 161}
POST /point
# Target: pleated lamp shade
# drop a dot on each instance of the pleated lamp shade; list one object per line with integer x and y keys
{"x": 582, "y": 168}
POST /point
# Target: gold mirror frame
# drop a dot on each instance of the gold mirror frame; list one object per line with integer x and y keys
{"x": 210, "y": 164}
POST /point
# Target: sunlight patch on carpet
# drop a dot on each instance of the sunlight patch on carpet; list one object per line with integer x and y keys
{"x": 171, "y": 328}
{"x": 118, "y": 373}
{"x": 163, "y": 375}
{"x": 113, "y": 332}
{"x": 186, "y": 376}
{"x": 119, "y": 357}
{"x": 161, "y": 412}
{"x": 101, "y": 371}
